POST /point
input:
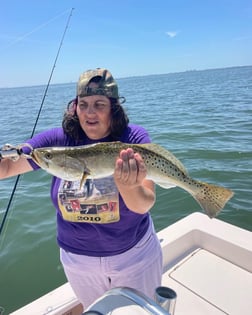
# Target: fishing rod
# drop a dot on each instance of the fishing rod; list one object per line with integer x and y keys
{"x": 37, "y": 119}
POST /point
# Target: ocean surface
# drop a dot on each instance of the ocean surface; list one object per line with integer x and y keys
{"x": 203, "y": 117}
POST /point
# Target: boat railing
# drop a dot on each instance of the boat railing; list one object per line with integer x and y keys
{"x": 149, "y": 305}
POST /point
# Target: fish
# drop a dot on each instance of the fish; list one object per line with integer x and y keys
{"x": 98, "y": 160}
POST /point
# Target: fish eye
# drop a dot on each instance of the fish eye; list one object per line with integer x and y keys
{"x": 48, "y": 155}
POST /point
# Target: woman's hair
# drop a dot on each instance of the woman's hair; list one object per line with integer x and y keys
{"x": 119, "y": 119}
{"x": 72, "y": 127}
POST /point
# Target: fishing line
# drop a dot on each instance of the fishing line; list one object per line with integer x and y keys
{"x": 20, "y": 38}
{"x": 37, "y": 119}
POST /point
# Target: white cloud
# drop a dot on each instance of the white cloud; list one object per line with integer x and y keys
{"x": 172, "y": 34}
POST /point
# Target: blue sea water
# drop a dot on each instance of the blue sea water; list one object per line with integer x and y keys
{"x": 203, "y": 117}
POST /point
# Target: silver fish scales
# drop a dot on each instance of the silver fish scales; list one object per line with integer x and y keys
{"x": 98, "y": 161}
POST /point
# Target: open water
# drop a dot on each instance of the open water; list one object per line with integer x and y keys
{"x": 203, "y": 117}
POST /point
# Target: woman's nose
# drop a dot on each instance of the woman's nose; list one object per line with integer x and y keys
{"x": 90, "y": 109}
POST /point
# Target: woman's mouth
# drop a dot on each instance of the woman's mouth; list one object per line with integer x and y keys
{"x": 91, "y": 123}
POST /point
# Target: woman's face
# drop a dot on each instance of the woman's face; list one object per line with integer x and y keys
{"x": 94, "y": 113}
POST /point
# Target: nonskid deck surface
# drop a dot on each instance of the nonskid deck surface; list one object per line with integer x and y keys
{"x": 208, "y": 284}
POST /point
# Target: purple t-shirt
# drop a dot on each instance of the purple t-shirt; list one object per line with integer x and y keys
{"x": 94, "y": 220}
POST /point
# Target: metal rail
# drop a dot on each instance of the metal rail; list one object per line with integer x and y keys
{"x": 137, "y": 297}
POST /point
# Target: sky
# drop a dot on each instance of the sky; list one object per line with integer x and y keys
{"x": 128, "y": 37}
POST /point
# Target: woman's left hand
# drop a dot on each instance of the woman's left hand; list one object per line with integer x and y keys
{"x": 130, "y": 169}
{"x": 130, "y": 174}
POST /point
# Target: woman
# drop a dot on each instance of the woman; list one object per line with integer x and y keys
{"x": 104, "y": 231}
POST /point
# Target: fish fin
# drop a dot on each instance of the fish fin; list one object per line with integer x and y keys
{"x": 212, "y": 198}
{"x": 165, "y": 185}
{"x": 85, "y": 175}
{"x": 157, "y": 149}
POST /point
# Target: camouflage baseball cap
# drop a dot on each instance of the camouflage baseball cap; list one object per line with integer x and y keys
{"x": 107, "y": 84}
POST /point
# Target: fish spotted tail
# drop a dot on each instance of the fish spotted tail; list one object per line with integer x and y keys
{"x": 212, "y": 198}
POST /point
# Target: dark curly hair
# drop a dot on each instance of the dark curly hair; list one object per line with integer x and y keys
{"x": 72, "y": 127}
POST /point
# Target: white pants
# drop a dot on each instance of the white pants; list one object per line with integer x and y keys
{"x": 140, "y": 268}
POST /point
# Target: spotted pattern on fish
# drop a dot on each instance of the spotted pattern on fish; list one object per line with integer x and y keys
{"x": 98, "y": 160}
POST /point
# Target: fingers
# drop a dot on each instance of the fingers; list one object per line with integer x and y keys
{"x": 130, "y": 168}
{"x": 126, "y": 166}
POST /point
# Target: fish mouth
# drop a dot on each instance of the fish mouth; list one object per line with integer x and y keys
{"x": 38, "y": 160}
{"x": 34, "y": 157}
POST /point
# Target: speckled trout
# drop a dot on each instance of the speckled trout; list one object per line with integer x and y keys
{"x": 98, "y": 161}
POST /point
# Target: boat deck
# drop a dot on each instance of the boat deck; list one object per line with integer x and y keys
{"x": 215, "y": 276}
{"x": 206, "y": 261}
{"x": 209, "y": 284}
